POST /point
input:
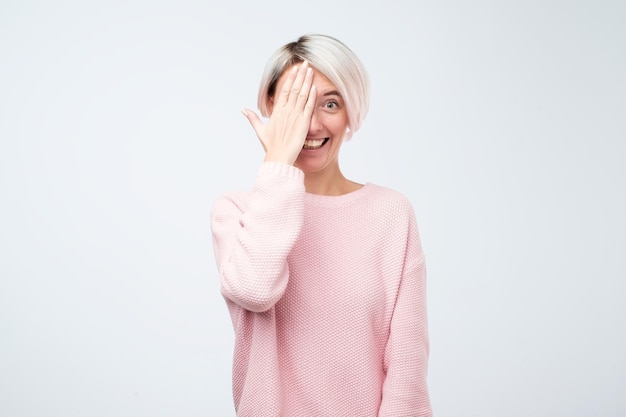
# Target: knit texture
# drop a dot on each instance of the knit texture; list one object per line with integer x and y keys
{"x": 327, "y": 296}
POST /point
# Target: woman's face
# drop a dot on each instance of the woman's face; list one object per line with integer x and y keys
{"x": 329, "y": 123}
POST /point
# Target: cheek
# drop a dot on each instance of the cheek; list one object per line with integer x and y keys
{"x": 338, "y": 125}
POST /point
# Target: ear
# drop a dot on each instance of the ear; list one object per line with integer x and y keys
{"x": 348, "y": 134}
{"x": 270, "y": 105}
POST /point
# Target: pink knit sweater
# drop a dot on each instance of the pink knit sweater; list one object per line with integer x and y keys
{"x": 327, "y": 297}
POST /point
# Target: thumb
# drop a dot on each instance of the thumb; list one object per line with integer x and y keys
{"x": 256, "y": 123}
{"x": 254, "y": 119}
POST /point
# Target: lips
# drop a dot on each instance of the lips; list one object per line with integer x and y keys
{"x": 312, "y": 144}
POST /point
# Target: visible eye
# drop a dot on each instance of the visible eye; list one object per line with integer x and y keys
{"x": 332, "y": 105}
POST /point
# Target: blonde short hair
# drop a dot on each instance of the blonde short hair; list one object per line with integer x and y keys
{"x": 332, "y": 58}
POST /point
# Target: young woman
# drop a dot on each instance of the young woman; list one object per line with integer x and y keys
{"x": 324, "y": 278}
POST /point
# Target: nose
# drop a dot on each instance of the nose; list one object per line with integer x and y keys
{"x": 316, "y": 125}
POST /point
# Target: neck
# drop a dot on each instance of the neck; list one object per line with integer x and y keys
{"x": 329, "y": 182}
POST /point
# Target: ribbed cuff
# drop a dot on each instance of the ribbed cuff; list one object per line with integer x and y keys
{"x": 278, "y": 169}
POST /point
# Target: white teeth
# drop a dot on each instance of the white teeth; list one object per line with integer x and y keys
{"x": 313, "y": 143}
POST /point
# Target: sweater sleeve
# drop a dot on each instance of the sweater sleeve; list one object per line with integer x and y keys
{"x": 253, "y": 236}
{"x": 405, "y": 391}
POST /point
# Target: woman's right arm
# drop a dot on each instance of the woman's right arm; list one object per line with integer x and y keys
{"x": 252, "y": 237}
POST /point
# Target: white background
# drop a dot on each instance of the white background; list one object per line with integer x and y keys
{"x": 502, "y": 121}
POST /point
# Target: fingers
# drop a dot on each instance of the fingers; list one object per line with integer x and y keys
{"x": 296, "y": 88}
{"x": 310, "y": 102}
{"x": 301, "y": 85}
{"x": 283, "y": 97}
{"x": 285, "y": 131}
{"x": 305, "y": 89}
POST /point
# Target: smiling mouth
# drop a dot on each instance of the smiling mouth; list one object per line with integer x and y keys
{"x": 312, "y": 144}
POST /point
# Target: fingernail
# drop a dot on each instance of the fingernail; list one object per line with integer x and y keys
{"x": 244, "y": 112}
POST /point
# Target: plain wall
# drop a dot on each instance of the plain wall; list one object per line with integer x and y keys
{"x": 120, "y": 124}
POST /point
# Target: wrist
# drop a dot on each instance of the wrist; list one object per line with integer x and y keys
{"x": 283, "y": 159}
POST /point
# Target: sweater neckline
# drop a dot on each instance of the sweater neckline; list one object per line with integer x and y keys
{"x": 338, "y": 200}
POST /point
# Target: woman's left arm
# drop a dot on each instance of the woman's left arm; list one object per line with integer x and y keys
{"x": 405, "y": 390}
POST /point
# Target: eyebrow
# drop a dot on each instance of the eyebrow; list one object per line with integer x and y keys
{"x": 332, "y": 93}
